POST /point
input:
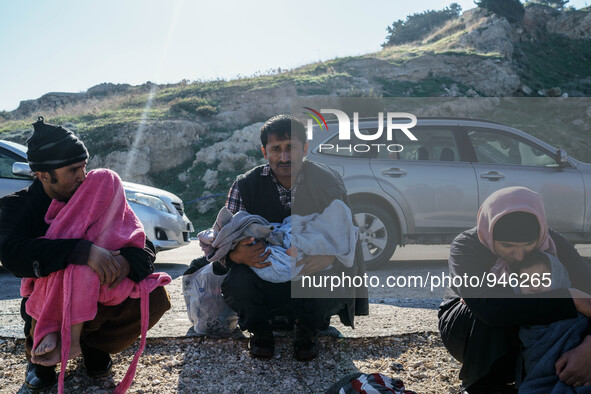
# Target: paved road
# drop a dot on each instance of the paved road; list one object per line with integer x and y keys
{"x": 392, "y": 310}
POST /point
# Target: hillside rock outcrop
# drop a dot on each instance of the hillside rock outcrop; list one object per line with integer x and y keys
{"x": 232, "y": 153}
{"x": 48, "y": 102}
{"x": 572, "y": 24}
{"x": 150, "y": 147}
{"x": 486, "y": 33}
{"x": 475, "y": 54}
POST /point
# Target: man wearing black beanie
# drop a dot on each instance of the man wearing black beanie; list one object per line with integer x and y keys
{"x": 58, "y": 159}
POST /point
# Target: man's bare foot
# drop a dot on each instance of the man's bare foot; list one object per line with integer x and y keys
{"x": 51, "y": 358}
{"x": 47, "y": 344}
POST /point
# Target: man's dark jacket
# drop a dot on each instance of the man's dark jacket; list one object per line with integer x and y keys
{"x": 319, "y": 187}
{"x": 25, "y": 254}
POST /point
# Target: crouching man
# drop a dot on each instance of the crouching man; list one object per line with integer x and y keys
{"x": 287, "y": 185}
{"x": 59, "y": 159}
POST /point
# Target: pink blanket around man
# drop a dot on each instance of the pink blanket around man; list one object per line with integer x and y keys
{"x": 97, "y": 212}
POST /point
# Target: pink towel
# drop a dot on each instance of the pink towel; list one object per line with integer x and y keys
{"x": 98, "y": 212}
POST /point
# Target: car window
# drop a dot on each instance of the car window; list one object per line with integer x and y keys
{"x": 501, "y": 148}
{"x": 6, "y": 161}
{"x": 433, "y": 143}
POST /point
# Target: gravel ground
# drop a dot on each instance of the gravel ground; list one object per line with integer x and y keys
{"x": 197, "y": 364}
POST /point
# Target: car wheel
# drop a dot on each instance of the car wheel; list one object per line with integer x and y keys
{"x": 378, "y": 234}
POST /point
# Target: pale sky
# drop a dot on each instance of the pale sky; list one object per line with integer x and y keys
{"x": 72, "y": 45}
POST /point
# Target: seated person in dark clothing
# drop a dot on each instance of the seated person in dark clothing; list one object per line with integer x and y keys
{"x": 479, "y": 324}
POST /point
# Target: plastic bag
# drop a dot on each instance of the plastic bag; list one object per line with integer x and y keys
{"x": 206, "y": 308}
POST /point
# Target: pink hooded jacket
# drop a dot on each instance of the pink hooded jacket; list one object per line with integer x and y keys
{"x": 502, "y": 202}
{"x": 97, "y": 212}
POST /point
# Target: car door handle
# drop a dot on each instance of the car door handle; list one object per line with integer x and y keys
{"x": 492, "y": 176}
{"x": 394, "y": 172}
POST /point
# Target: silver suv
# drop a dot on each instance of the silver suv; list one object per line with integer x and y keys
{"x": 161, "y": 213}
{"x": 429, "y": 191}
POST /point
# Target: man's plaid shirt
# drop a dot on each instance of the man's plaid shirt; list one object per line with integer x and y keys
{"x": 234, "y": 201}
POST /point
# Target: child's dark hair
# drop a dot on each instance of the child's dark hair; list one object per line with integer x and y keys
{"x": 533, "y": 258}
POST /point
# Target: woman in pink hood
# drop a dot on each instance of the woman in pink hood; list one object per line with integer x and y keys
{"x": 479, "y": 323}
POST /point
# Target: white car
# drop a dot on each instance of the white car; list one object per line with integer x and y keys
{"x": 161, "y": 213}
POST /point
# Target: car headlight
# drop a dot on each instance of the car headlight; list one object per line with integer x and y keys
{"x": 147, "y": 200}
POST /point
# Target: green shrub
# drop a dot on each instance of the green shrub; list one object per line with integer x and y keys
{"x": 192, "y": 106}
{"x": 206, "y": 110}
{"x": 417, "y": 26}
{"x": 566, "y": 63}
{"x": 513, "y": 10}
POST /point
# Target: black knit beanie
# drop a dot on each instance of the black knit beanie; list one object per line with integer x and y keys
{"x": 51, "y": 147}
{"x": 517, "y": 227}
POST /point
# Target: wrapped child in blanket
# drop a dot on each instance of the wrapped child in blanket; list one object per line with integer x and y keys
{"x": 330, "y": 233}
{"x": 542, "y": 345}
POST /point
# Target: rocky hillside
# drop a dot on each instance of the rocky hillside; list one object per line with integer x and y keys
{"x": 192, "y": 138}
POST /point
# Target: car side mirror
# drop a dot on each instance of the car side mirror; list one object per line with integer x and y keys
{"x": 22, "y": 169}
{"x": 562, "y": 157}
